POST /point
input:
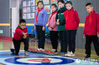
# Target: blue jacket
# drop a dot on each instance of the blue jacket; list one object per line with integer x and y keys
{"x": 42, "y": 18}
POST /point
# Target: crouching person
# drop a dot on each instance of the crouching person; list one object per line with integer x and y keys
{"x": 21, "y": 35}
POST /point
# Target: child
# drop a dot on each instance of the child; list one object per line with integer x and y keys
{"x": 91, "y": 30}
{"x": 72, "y": 24}
{"x": 21, "y": 35}
{"x": 61, "y": 26}
{"x": 52, "y": 26}
{"x": 40, "y": 24}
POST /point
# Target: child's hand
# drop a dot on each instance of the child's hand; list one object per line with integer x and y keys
{"x": 50, "y": 28}
{"x": 84, "y": 36}
{"x": 35, "y": 28}
{"x": 43, "y": 28}
{"x": 57, "y": 22}
{"x": 97, "y": 35}
{"x": 24, "y": 37}
{"x": 24, "y": 34}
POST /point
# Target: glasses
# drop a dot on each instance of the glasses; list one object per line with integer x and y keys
{"x": 23, "y": 25}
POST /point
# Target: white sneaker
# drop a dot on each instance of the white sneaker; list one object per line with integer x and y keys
{"x": 53, "y": 50}
{"x": 41, "y": 50}
{"x": 70, "y": 54}
{"x": 66, "y": 54}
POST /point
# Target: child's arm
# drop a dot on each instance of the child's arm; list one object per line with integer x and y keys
{"x": 84, "y": 29}
{"x": 84, "y": 33}
{"x": 19, "y": 32}
{"x": 54, "y": 22}
{"x": 45, "y": 18}
{"x": 77, "y": 18}
{"x": 49, "y": 24}
{"x": 97, "y": 17}
{"x": 57, "y": 22}
{"x": 56, "y": 17}
{"x": 84, "y": 36}
{"x": 25, "y": 34}
{"x": 48, "y": 21}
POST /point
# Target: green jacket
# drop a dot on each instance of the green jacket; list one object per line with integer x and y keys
{"x": 60, "y": 16}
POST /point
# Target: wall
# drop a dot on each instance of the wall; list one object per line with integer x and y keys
{"x": 4, "y": 17}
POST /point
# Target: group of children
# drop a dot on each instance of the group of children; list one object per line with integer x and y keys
{"x": 67, "y": 23}
{"x": 62, "y": 24}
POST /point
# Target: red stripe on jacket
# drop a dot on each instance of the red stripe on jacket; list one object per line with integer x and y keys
{"x": 18, "y": 35}
{"x": 38, "y": 13}
{"x": 72, "y": 19}
{"x": 92, "y": 24}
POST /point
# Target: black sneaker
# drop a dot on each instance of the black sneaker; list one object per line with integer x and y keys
{"x": 98, "y": 55}
{"x": 87, "y": 57}
{"x": 12, "y": 50}
{"x": 16, "y": 55}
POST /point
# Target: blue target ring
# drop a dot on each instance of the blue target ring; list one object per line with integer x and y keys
{"x": 64, "y": 61}
{"x": 10, "y": 59}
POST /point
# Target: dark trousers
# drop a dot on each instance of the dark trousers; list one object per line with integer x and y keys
{"x": 40, "y": 36}
{"x": 62, "y": 38}
{"x": 89, "y": 40}
{"x": 17, "y": 44}
{"x": 54, "y": 39}
{"x": 71, "y": 38}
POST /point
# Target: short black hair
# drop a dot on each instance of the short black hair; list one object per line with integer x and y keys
{"x": 69, "y": 2}
{"x": 62, "y": 1}
{"x": 40, "y": 2}
{"x": 22, "y": 21}
{"x": 88, "y": 4}
{"x": 55, "y": 6}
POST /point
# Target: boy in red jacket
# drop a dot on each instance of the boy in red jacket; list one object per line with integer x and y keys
{"x": 91, "y": 30}
{"x": 21, "y": 35}
{"x": 72, "y": 24}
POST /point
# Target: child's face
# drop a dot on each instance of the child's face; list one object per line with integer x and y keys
{"x": 89, "y": 8}
{"x": 40, "y": 5}
{"x": 68, "y": 6}
{"x": 22, "y": 25}
{"x": 53, "y": 8}
{"x": 60, "y": 4}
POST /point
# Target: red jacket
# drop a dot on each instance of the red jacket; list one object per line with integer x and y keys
{"x": 72, "y": 19}
{"x": 92, "y": 24}
{"x": 18, "y": 35}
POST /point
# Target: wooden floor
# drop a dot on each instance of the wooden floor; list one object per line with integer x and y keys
{"x": 6, "y": 44}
